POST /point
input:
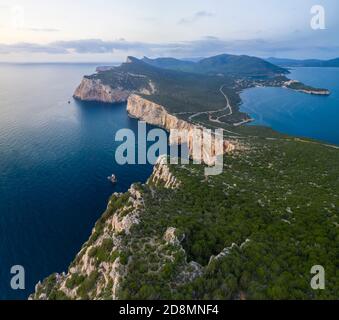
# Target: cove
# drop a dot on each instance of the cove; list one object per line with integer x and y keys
{"x": 295, "y": 113}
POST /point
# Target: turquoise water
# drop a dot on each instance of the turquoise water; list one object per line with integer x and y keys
{"x": 296, "y": 113}
{"x": 54, "y": 161}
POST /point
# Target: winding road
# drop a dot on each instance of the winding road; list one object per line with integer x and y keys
{"x": 210, "y": 113}
{"x": 228, "y": 107}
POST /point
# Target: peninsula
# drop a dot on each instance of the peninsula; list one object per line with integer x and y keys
{"x": 253, "y": 232}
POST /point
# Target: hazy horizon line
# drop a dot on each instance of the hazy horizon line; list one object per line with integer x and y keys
{"x": 109, "y": 63}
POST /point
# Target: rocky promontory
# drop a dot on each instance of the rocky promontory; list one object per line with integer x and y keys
{"x": 300, "y": 87}
{"x": 141, "y": 108}
{"x": 102, "y": 265}
{"x": 94, "y": 90}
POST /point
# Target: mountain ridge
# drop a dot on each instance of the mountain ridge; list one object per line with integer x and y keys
{"x": 221, "y": 64}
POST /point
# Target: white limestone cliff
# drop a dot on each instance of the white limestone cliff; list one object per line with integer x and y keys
{"x": 95, "y": 90}
{"x": 155, "y": 114}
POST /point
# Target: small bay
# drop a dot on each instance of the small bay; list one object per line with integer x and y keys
{"x": 296, "y": 113}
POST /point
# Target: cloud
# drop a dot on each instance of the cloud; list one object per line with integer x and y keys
{"x": 206, "y": 46}
{"x": 24, "y": 47}
{"x": 99, "y": 46}
{"x": 197, "y": 16}
{"x": 87, "y": 46}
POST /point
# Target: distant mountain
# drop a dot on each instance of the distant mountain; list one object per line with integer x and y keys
{"x": 304, "y": 63}
{"x": 163, "y": 81}
{"x": 171, "y": 63}
{"x": 222, "y": 64}
{"x": 233, "y": 64}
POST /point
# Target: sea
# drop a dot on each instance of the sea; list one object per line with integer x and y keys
{"x": 297, "y": 113}
{"x": 56, "y": 154}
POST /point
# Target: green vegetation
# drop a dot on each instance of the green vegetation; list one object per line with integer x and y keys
{"x": 280, "y": 194}
{"x": 74, "y": 281}
{"x": 275, "y": 207}
{"x": 102, "y": 253}
{"x": 49, "y": 289}
{"x": 225, "y": 64}
{"x": 87, "y": 285}
{"x": 183, "y": 93}
{"x": 252, "y": 232}
{"x": 186, "y": 88}
{"x": 301, "y": 86}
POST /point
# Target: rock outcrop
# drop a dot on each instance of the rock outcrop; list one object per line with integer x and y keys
{"x": 95, "y": 90}
{"x": 162, "y": 174}
{"x": 224, "y": 253}
{"x": 171, "y": 236}
{"x": 101, "y": 267}
{"x": 98, "y": 269}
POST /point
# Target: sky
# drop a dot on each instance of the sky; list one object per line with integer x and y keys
{"x": 108, "y": 31}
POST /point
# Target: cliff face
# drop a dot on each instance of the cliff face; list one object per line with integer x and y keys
{"x": 316, "y": 92}
{"x": 152, "y": 113}
{"x": 162, "y": 174}
{"x": 94, "y": 90}
{"x": 101, "y": 266}
{"x": 156, "y": 114}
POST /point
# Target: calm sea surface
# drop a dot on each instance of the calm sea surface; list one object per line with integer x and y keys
{"x": 297, "y": 113}
{"x": 54, "y": 161}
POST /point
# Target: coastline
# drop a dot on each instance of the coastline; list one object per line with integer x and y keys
{"x": 297, "y": 114}
{"x": 138, "y": 108}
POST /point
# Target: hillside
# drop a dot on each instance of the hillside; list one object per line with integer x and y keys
{"x": 225, "y": 64}
{"x": 172, "y": 64}
{"x": 187, "y": 94}
{"x": 253, "y": 232}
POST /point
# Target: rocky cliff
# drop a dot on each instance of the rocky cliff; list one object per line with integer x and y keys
{"x": 95, "y": 90}
{"x": 163, "y": 175}
{"x": 186, "y": 132}
{"x": 141, "y": 108}
{"x": 101, "y": 266}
